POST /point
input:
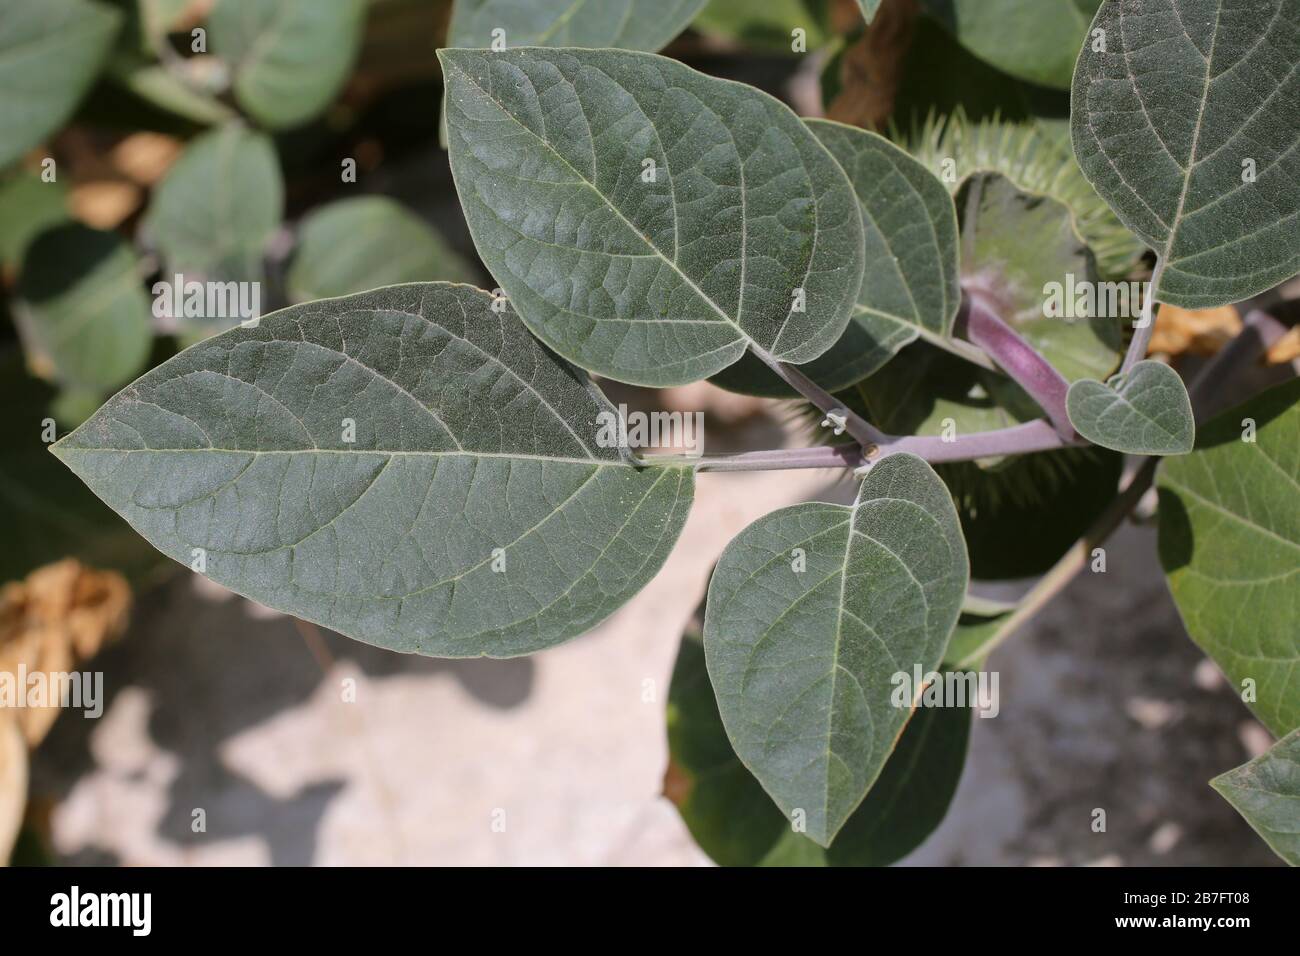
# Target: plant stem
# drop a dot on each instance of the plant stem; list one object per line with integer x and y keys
{"x": 1020, "y": 360}
{"x": 1137, "y": 348}
{"x": 1038, "y": 435}
{"x": 777, "y": 459}
{"x": 861, "y": 430}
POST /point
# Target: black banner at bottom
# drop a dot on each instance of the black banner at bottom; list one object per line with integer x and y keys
{"x": 338, "y": 905}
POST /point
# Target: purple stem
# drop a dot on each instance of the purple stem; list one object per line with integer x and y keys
{"x": 1020, "y": 360}
{"x": 822, "y": 456}
{"x": 1038, "y": 435}
{"x": 858, "y": 427}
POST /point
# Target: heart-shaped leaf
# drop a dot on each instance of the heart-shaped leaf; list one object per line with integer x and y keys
{"x": 50, "y": 53}
{"x": 649, "y": 222}
{"x": 623, "y": 24}
{"x": 82, "y": 312}
{"x": 1145, "y": 411}
{"x": 812, "y": 610}
{"x": 288, "y": 57}
{"x": 734, "y": 821}
{"x": 1230, "y": 544}
{"x": 1033, "y": 40}
{"x": 356, "y": 244}
{"x": 214, "y": 211}
{"x": 910, "y": 285}
{"x": 1183, "y": 118}
{"x": 407, "y": 466}
{"x": 1266, "y": 791}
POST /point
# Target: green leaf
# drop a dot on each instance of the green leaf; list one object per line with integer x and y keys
{"x": 802, "y": 660}
{"x": 767, "y": 26}
{"x": 910, "y": 285}
{"x": 1229, "y": 542}
{"x": 625, "y": 24}
{"x": 1013, "y": 245}
{"x": 1033, "y": 40}
{"x": 28, "y": 206}
{"x": 214, "y": 211}
{"x": 974, "y": 637}
{"x": 474, "y": 512}
{"x": 351, "y": 245}
{"x": 50, "y": 53}
{"x": 1185, "y": 123}
{"x": 1145, "y": 411}
{"x": 734, "y": 821}
{"x": 656, "y": 279}
{"x": 1266, "y": 791}
{"x": 940, "y": 76}
{"x": 289, "y": 57}
{"x": 82, "y": 312}
{"x": 159, "y": 87}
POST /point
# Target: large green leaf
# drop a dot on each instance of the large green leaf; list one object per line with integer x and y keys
{"x": 1144, "y": 411}
{"x": 473, "y": 512}
{"x": 351, "y": 245}
{"x": 1013, "y": 244}
{"x": 624, "y": 24}
{"x": 811, "y": 611}
{"x": 655, "y": 279}
{"x": 50, "y": 53}
{"x": 1266, "y": 791}
{"x": 1186, "y": 124}
{"x": 734, "y": 821}
{"x": 1230, "y": 544}
{"x": 217, "y": 206}
{"x": 1034, "y": 40}
{"x": 910, "y": 285}
{"x": 82, "y": 311}
{"x": 289, "y": 57}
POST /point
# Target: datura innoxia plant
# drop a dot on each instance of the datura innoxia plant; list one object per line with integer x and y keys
{"x": 653, "y": 225}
